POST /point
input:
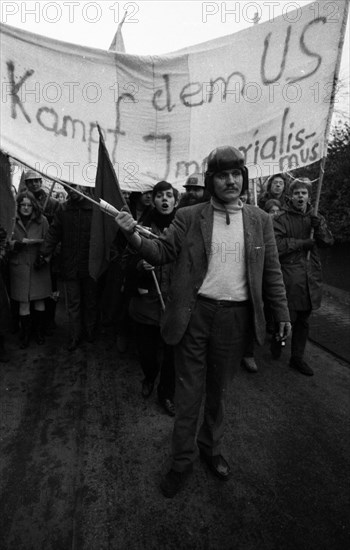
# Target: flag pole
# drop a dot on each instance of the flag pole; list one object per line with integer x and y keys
{"x": 103, "y": 205}
{"x": 330, "y": 114}
{"x": 49, "y": 195}
{"x": 331, "y": 106}
{"x": 110, "y": 209}
{"x": 156, "y": 284}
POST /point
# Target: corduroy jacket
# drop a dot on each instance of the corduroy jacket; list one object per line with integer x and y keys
{"x": 188, "y": 244}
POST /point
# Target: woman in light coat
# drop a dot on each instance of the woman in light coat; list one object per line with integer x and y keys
{"x": 29, "y": 285}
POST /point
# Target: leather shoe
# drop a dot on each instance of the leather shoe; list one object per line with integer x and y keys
{"x": 173, "y": 482}
{"x": 218, "y": 465}
{"x": 147, "y": 388}
{"x": 301, "y": 366}
{"x": 249, "y": 364}
{"x": 168, "y": 406}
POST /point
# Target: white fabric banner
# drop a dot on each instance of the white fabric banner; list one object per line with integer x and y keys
{"x": 265, "y": 90}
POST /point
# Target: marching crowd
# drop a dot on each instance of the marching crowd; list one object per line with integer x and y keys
{"x": 196, "y": 297}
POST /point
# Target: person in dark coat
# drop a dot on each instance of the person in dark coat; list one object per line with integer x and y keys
{"x": 140, "y": 205}
{"x": 224, "y": 255}
{"x": 28, "y": 285}
{"x": 4, "y": 299}
{"x": 71, "y": 227}
{"x": 145, "y": 307}
{"x": 301, "y": 266}
{"x": 276, "y": 188}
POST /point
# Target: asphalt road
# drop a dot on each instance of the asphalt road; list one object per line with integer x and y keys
{"x": 82, "y": 454}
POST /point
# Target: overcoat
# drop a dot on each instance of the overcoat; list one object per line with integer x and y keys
{"x": 71, "y": 227}
{"x": 145, "y": 306}
{"x": 188, "y": 243}
{"x": 27, "y": 283}
{"x": 302, "y": 275}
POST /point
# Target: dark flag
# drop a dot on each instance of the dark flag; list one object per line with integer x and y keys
{"x": 7, "y": 200}
{"x": 103, "y": 227}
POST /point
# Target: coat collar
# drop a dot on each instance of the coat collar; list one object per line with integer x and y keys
{"x": 249, "y": 225}
{"x": 207, "y": 220}
{"x": 206, "y": 224}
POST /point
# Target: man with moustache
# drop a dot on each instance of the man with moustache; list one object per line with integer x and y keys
{"x": 195, "y": 191}
{"x": 301, "y": 266}
{"x": 224, "y": 254}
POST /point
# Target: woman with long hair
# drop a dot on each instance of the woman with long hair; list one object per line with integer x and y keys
{"x": 28, "y": 285}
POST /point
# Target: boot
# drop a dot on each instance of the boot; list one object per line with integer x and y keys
{"x": 40, "y": 318}
{"x": 24, "y": 321}
{"x": 4, "y": 356}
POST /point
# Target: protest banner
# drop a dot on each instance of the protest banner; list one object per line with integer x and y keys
{"x": 266, "y": 90}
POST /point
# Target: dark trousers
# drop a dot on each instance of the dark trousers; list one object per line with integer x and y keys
{"x": 81, "y": 304}
{"x": 156, "y": 356}
{"x": 300, "y": 332}
{"x": 205, "y": 359}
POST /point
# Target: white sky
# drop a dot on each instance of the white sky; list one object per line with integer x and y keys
{"x": 155, "y": 27}
{"x": 152, "y": 27}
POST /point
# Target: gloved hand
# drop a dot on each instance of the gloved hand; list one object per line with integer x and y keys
{"x": 18, "y": 246}
{"x": 308, "y": 244}
{"x": 40, "y": 262}
{"x": 315, "y": 221}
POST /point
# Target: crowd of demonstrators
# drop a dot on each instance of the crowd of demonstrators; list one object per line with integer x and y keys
{"x": 214, "y": 297}
{"x": 223, "y": 267}
{"x": 28, "y": 286}
{"x": 145, "y": 308}
{"x": 71, "y": 229}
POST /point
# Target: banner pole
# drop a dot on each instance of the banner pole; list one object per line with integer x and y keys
{"x": 102, "y": 205}
{"x": 156, "y": 284}
{"x": 49, "y": 195}
{"x": 330, "y": 114}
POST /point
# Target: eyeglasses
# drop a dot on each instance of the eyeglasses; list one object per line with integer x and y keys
{"x": 26, "y": 205}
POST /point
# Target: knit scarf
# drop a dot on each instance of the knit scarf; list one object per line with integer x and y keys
{"x": 227, "y": 208}
{"x": 161, "y": 220}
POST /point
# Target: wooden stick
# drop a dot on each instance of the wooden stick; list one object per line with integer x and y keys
{"x": 102, "y": 205}
{"x": 329, "y": 118}
{"x": 49, "y": 195}
{"x": 158, "y": 290}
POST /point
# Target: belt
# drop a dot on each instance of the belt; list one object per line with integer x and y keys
{"x": 223, "y": 303}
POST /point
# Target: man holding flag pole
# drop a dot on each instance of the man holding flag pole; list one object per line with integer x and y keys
{"x": 224, "y": 254}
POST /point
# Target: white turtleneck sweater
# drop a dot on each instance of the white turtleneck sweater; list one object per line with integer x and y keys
{"x": 226, "y": 276}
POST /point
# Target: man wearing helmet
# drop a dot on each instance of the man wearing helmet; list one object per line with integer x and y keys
{"x": 224, "y": 255}
{"x": 195, "y": 191}
{"x": 48, "y": 205}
